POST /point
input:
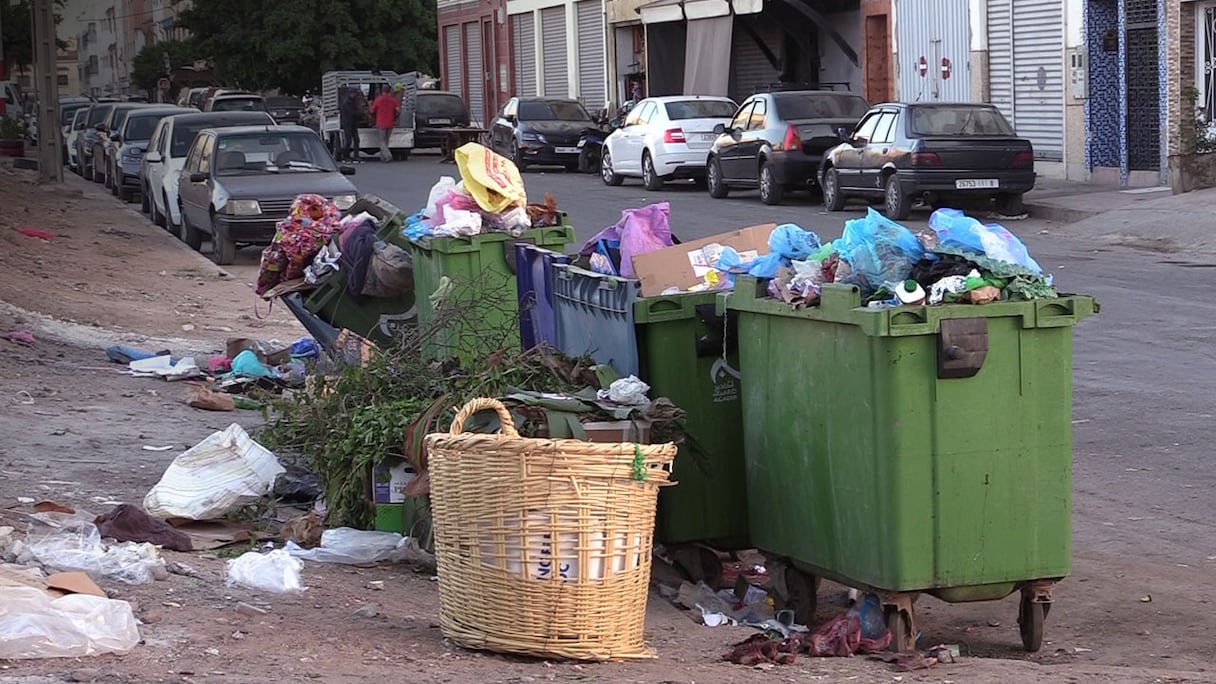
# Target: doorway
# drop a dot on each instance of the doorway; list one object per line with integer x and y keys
{"x": 1143, "y": 86}
{"x": 878, "y": 58}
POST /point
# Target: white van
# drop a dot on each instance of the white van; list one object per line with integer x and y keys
{"x": 14, "y": 99}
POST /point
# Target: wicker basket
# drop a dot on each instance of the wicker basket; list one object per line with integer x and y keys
{"x": 544, "y": 546}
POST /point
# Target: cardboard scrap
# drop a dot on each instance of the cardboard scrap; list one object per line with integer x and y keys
{"x": 52, "y": 507}
{"x": 684, "y": 265}
{"x": 74, "y": 583}
{"x": 13, "y": 575}
{"x": 208, "y": 535}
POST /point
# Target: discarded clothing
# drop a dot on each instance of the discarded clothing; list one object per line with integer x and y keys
{"x": 356, "y": 253}
{"x": 23, "y": 337}
{"x": 310, "y": 225}
{"x": 390, "y": 271}
{"x": 247, "y": 365}
{"x": 125, "y": 355}
{"x": 326, "y": 261}
{"x": 131, "y": 523}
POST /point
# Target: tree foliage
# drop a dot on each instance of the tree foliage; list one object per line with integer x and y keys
{"x": 17, "y": 32}
{"x": 289, "y": 45}
{"x": 149, "y": 64}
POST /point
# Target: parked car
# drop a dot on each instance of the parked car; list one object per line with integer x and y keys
{"x": 434, "y": 111}
{"x": 235, "y": 101}
{"x": 936, "y": 152}
{"x": 776, "y": 141}
{"x": 98, "y": 113}
{"x": 192, "y": 97}
{"x": 284, "y": 108}
{"x": 68, "y": 106}
{"x": 664, "y": 138}
{"x": 540, "y": 130}
{"x": 15, "y": 103}
{"x": 100, "y": 160}
{"x": 75, "y": 130}
{"x": 238, "y": 183}
{"x": 162, "y": 165}
{"x": 127, "y": 147}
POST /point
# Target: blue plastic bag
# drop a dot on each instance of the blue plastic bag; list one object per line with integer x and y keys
{"x": 416, "y": 228}
{"x": 793, "y": 243}
{"x": 787, "y": 242}
{"x": 956, "y": 229}
{"x": 878, "y": 251}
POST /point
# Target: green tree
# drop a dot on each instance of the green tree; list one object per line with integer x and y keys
{"x": 290, "y": 45}
{"x": 149, "y": 64}
{"x": 18, "y": 33}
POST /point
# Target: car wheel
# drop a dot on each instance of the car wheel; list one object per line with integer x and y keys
{"x": 897, "y": 204}
{"x": 833, "y": 199}
{"x": 223, "y": 249}
{"x": 650, "y": 179}
{"x": 718, "y": 188}
{"x": 771, "y": 191}
{"x": 517, "y": 157}
{"x": 158, "y": 218}
{"x": 193, "y": 237}
{"x": 145, "y": 203}
{"x": 1010, "y": 204}
{"x": 608, "y": 175}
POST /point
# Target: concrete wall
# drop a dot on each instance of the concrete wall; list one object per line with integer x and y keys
{"x": 877, "y": 60}
{"x": 835, "y": 67}
{"x": 1074, "y": 166}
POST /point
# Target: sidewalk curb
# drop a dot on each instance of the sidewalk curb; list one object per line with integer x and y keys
{"x": 1058, "y": 214}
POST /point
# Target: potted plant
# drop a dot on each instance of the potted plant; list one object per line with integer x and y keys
{"x": 12, "y": 137}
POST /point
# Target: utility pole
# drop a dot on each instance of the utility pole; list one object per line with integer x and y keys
{"x": 3, "y": 72}
{"x": 46, "y": 73}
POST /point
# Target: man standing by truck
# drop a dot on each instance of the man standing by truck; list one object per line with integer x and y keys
{"x": 385, "y": 109}
{"x": 348, "y": 114}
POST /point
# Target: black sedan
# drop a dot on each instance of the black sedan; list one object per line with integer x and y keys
{"x": 238, "y": 183}
{"x": 776, "y": 141}
{"x": 540, "y": 130}
{"x": 938, "y": 153}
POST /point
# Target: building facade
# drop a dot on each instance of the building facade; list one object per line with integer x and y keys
{"x": 1191, "y": 70}
{"x": 474, "y": 54}
{"x": 559, "y": 48}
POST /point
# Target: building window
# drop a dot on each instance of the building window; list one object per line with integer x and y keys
{"x": 1205, "y": 59}
{"x": 62, "y": 79}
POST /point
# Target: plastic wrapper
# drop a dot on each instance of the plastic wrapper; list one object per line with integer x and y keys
{"x": 877, "y": 250}
{"x": 223, "y": 472}
{"x": 639, "y": 231}
{"x": 957, "y": 230}
{"x": 453, "y": 199}
{"x": 349, "y": 546}
{"x": 276, "y": 572}
{"x": 438, "y": 190}
{"x": 33, "y": 625}
{"x": 76, "y": 546}
{"x": 458, "y": 223}
{"x": 628, "y": 391}
{"x": 490, "y": 179}
{"x": 793, "y": 243}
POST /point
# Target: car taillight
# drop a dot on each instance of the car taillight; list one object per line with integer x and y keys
{"x": 674, "y": 135}
{"x": 792, "y": 141}
{"x": 1023, "y": 160}
{"x": 926, "y": 159}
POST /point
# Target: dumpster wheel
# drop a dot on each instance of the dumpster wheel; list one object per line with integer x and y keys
{"x": 1030, "y": 623}
{"x": 699, "y": 564}
{"x": 899, "y": 622}
{"x": 800, "y": 596}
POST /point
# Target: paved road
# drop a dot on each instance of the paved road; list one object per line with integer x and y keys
{"x": 1142, "y": 410}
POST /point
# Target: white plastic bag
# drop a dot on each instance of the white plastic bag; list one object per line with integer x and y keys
{"x": 628, "y": 391}
{"x": 223, "y": 472}
{"x": 33, "y": 625}
{"x": 438, "y": 190}
{"x": 276, "y": 572}
{"x": 459, "y": 223}
{"x": 354, "y": 547}
{"x": 77, "y": 546}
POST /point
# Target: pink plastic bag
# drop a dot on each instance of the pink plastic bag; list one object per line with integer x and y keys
{"x": 639, "y": 231}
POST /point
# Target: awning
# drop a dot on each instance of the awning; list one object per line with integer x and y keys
{"x": 680, "y": 10}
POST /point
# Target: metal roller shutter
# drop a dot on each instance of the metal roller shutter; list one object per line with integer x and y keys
{"x": 591, "y": 55}
{"x": 750, "y": 69}
{"x": 523, "y": 34}
{"x": 476, "y": 74}
{"x": 455, "y": 67}
{"x": 553, "y": 49}
{"x": 1027, "y": 77}
{"x": 938, "y": 30}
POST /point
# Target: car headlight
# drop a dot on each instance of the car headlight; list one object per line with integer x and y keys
{"x": 132, "y": 154}
{"x": 531, "y": 137}
{"x": 243, "y": 208}
{"x": 344, "y": 202}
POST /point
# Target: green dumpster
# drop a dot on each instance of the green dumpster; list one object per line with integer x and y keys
{"x": 481, "y": 273}
{"x": 688, "y": 352}
{"x": 912, "y": 450}
{"x": 377, "y": 319}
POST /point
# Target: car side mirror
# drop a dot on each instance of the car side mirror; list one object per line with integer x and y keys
{"x": 736, "y": 133}
{"x": 511, "y": 118}
{"x": 856, "y": 142}
{"x": 153, "y": 158}
{"x": 719, "y": 129}
{"x": 346, "y": 170}
{"x": 197, "y": 177}
{"x": 100, "y": 128}
{"x": 116, "y": 138}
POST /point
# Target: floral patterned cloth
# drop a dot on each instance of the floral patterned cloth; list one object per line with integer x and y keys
{"x": 313, "y": 220}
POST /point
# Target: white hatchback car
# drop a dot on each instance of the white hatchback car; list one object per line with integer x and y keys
{"x": 162, "y": 164}
{"x": 665, "y": 138}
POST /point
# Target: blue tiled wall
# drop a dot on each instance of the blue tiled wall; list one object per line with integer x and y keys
{"x": 1104, "y": 107}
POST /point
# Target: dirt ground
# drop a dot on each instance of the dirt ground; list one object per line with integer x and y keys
{"x": 73, "y": 426}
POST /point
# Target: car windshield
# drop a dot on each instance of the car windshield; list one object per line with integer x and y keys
{"x": 184, "y": 132}
{"x": 79, "y": 118}
{"x": 99, "y": 114}
{"x": 960, "y": 120}
{"x": 238, "y": 104}
{"x": 141, "y": 127}
{"x": 553, "y": 110}
{"x": 700, "y": 109}
{"x": 68, "y": 112}
{"x": 263, "y": 153}
{"x": 794, "y": 106}
{"x": 449, "y": 106}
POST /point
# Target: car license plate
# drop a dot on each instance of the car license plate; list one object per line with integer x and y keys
{"x": 441, "y": 122}
{"x": 975, "y": 183}
{"x": 566, "y": 150}
{"x": 708, "y": 137}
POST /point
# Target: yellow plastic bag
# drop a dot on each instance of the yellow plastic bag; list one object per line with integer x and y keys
{"x": 490, "y": 179}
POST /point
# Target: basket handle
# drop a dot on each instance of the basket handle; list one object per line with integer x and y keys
{"x": 478, "y": 405}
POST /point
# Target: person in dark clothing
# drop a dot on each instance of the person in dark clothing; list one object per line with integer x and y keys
{"x": 348, "y": 114}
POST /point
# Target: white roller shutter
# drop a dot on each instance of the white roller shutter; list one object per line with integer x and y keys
{"x": 1027, "y": 77}
{"x": 750, "y": 69}
{"x": 591, "y": 55}
{"x": 553, "y": 49}
{"x": 455, "y": 66}
{"x": 476, "y": 74}
{"x": 523, "y": 35}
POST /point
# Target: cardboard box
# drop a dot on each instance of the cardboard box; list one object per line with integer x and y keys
{"x": 685, "y": 265}
{"x": 389, "y": 481}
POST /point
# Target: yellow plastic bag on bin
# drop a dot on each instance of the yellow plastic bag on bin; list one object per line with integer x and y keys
{"x": 491, "y": 180}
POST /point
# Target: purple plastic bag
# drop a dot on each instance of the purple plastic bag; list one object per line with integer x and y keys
{"x": 639, "y": 231}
